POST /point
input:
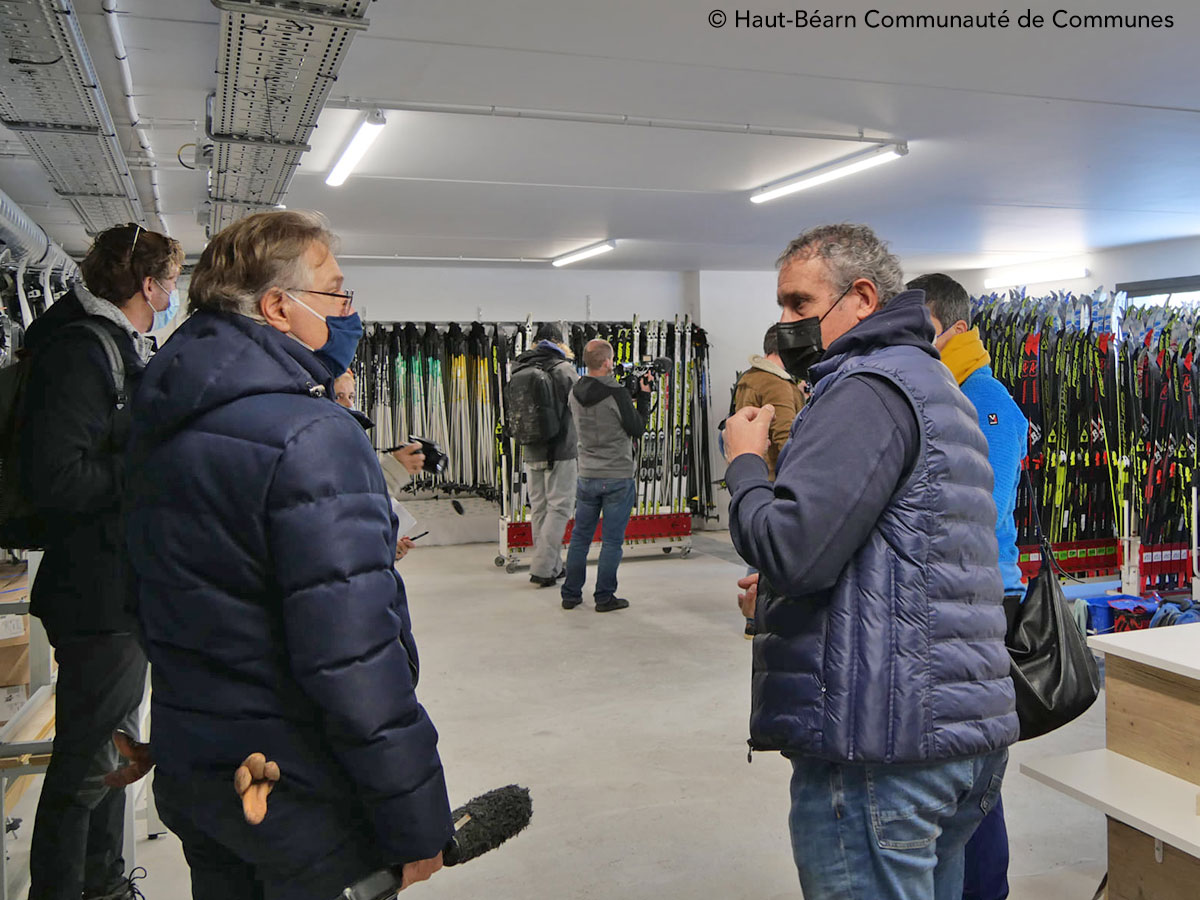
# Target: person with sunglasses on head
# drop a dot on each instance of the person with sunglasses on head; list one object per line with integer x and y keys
{"x": 259, "y": 525}
{"x": 73, "y": 437}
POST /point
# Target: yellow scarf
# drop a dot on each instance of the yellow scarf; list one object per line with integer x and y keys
{"x": 964, "y": 354}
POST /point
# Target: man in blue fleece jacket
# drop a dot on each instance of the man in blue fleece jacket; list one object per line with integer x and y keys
{"x": 1007, "y": 434}
{"x": 879, "y": 665}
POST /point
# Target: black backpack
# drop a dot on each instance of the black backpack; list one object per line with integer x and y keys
{"x": 20, "y": 526}
{"x": 534, "y": 406}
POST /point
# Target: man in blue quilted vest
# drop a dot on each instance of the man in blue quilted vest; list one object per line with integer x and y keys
{"x": 879, "y": 665}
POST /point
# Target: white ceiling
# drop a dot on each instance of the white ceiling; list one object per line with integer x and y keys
{"x": 1023, "y": 143}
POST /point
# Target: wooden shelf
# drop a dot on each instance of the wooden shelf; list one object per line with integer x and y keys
{"x": 1175, "y": 649}
{"x": 1142, "y": 797}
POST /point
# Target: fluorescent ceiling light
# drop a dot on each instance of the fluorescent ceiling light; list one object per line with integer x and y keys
{"x": 831, "y": 172}
{"x": 585, "y": 253}
{"x": 368, "y": 130}
{"x": 1036, "y": 274}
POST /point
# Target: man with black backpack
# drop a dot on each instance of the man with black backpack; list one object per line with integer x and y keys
{"x": 88, "y": 353}
{"x": 539, "y": 419}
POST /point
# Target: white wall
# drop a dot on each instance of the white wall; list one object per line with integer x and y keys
{"x": 1107, "y": 268}
{"x": 429, "y": 294}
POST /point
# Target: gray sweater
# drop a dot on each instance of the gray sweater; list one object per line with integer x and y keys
{"x": 606, "y": 421}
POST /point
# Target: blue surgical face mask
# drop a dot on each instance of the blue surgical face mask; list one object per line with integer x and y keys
{"x": 163, "y": 317}
{"x": 344, "y": 334}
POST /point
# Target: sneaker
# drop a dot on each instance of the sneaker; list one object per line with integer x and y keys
{"x": 571, "y": 602}
{"x": 125, "y": 889}
{"x": 611, "y": 604}
{"x": 542, "y": 582}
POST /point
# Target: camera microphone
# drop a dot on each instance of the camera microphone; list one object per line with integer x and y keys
{"x": 480, "y": 825}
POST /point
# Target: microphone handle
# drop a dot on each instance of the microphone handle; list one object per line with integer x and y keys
{"x": 384, "y": 884}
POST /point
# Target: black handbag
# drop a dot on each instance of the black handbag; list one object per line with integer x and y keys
{"x": 1053, "y": 670}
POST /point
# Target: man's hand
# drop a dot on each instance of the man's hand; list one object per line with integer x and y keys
{"x": 403, "y": 546}
{"x": 748, "y": 431}
{"x": 411, "y": 457}
{"x": 421, "y": 870}
{"x": 140, "y": 761}
{"x": 253, "y": 781}
{"x": 749, "y": 599}
{"x": 646, "y": 384}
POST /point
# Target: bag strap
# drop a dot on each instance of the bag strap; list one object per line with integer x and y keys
{"x": 1048, "y": 557}
{"x": 1037, "y": 519}
{"x": 116, "y": 363}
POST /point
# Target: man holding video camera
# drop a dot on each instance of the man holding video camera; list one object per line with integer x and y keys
{"x": 608, "y": 417}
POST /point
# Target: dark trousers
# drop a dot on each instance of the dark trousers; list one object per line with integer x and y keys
{"x": 986, "y": 873}
{"x": 217, "y": 872}
{"x": 231, "y": 860}
{"x": 79, "y": 830}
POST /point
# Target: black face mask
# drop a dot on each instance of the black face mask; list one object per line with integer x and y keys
{"x": 800, "y": 344}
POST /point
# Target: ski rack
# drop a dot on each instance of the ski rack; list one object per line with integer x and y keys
{"x": 1110, "y": 391}
{"x": 1084, "y": 559}
{"x": 676, "y": 528}
{"x": 445, "y": 381}
{"x": 671, "y": 460}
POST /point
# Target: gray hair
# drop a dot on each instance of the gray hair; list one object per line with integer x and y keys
{"x": 254, "y": 254}
{"x": 850, "y": 252}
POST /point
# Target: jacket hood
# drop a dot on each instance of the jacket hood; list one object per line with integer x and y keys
{"x": 904, "y": 322}
{"x": 544, "y": 351}
{"x": 591, "y": 390}
{"x": 767, "y": 365}
{"x": 213, "y": 359}
{"x": 79, "y": 303}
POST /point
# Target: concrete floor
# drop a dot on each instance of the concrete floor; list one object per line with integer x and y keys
{"x": 630, "y": 730}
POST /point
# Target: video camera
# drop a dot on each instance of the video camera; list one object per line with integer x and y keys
{"x": 435, "y": 456}
{"x": 631, "y": 374}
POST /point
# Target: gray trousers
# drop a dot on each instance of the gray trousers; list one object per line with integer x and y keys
{"x": 552, "y": 496}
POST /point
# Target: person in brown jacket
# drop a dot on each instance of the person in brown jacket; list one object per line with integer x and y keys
{"x": 765, "y": 382}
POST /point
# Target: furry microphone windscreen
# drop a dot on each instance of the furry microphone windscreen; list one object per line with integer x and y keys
{"x": 486, "y": 822}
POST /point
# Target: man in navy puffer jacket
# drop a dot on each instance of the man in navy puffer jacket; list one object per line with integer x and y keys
{"x": 879, "y": 665}
{"x": 259, "y": 527}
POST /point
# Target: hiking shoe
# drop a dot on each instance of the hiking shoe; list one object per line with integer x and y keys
{"x": 542, "y": 582}
{"x": 611, "y": 604}
{"x": 125, "y": 889}
{"x": 571, "y": 602}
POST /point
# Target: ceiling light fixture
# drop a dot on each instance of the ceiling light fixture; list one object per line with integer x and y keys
{"x": 585, "y": 253}
{"x": 831, "y": 172}
{"x": 1036, "y": 274}
{"x": 369, "y": 129}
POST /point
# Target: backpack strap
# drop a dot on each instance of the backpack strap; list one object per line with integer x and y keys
{"x": 116, "y": 362}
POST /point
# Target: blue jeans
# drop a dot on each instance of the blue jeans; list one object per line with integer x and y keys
{"x": 879, "y": 832}
{"x": 614, "y": 497}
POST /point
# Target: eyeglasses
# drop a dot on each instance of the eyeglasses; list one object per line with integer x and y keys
{"x": 346, "y": 296}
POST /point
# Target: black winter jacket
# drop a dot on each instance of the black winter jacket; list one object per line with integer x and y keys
{"x": 563, "y": 374}
{"x": 261, "y": 532}
{"x": 72, "y": 446}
